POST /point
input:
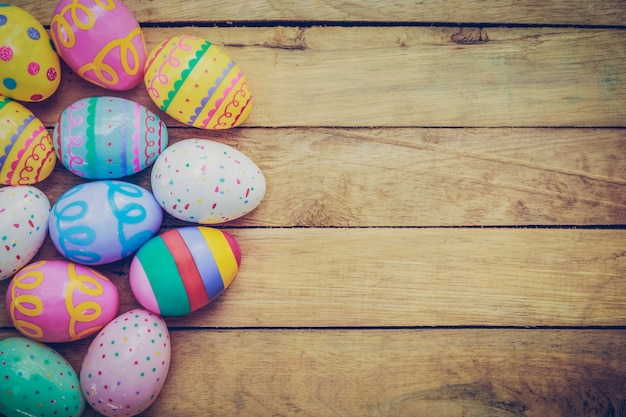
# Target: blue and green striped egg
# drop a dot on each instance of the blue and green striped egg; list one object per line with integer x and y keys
{"x": 108, "y": 137}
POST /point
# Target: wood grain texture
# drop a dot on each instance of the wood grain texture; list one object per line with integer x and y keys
{"x": 393, "y": 76}
{"x": 333, "y": 277}
{"x": 550, "y": 12}
{"x": 424, "y": 177}
{"x": 443, "y": 231}
{"x": 476, "y": 373}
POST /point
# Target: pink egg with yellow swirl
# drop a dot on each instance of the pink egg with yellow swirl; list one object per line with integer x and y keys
{"x": 101, "y": 41}
{"x": 59, "y": 301}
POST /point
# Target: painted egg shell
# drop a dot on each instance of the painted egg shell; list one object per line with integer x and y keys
{"x": 103, "y": 221}
{"x": 101, "y": 41}
{"x": 197, "y": 83}
{"x": 206, "y": 182}
{"x": 184, "y": 269}
{"x": 108, "y": 137}
{"x": 37, "y": 381}
{"x": 24, "y": 212}
{"x": 127, "y": 364}
{"x": 60, "y": 301}
{"x": 26, "y": 152}
{"x": 29, "y": 66}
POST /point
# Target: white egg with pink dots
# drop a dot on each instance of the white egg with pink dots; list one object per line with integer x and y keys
{"x": 206, "y": 182}
{"x": 24, "y": 213}
{"x": 127, "y": 364}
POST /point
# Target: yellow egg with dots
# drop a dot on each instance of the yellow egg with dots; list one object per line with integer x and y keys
{"x": 29, "y": 66}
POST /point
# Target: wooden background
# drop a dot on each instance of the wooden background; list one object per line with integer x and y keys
{"x": 443, "y": 231}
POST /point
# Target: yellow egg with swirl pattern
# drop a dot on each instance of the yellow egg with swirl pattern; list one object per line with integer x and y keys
{"x": 26, "y": 151}
{"x": 197, "y": 83}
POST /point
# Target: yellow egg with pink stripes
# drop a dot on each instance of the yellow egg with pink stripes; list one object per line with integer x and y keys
{"x": 26, "y": 151}
{"x": 184, "y": 269}
{"x": 197, "y": 83}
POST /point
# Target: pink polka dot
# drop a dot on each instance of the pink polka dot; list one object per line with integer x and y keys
{"x": 36, "y": 97}
{"x": 33, "y": 68}
{"x": 51, "y": 74}
{"x": 6, "y": 53}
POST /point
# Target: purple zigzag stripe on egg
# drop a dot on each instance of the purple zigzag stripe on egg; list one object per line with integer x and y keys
{"x": 212, "y": 90}
{"x": 40, "y": 133}
{"x": 219, "y": 102}
{"x": 20, "y": 154}
{"x": 17, "y": 134}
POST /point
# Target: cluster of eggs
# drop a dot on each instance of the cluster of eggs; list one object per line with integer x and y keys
{"x": 105, "y": 219}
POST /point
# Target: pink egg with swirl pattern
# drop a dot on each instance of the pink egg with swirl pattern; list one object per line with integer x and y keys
{"x": 101, "y": 41}
{"x": 58, "y": 301}
{"x": 126, "y": 365}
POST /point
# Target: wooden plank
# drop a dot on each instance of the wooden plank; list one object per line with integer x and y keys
{"x": 319, "y": 277}
{"x": 335, "y": 76}
{"x": 499, "y": 373}
{"x": 424, "y": 177}
{"x": 551, "y": 12}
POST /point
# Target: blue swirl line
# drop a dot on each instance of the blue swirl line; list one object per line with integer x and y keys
{"x": 129, "y": 213}
{"x": 212, "y": 90}
{"x": 75, "y": 235}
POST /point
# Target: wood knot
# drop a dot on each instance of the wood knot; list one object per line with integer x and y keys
{"x": 469, "y": 36}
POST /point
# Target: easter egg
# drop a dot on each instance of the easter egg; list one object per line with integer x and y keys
{"x": 59, "y": 301}
{"x": 108, "y": 137}
{"x": 206, "y": 182}
{"x": 126, "y": 365}
{"x": 37, "y": 381}
{"x": 100, "y": 222}
{"x": 101, "y": 41}
{"x": 29, "y": 66}
{"x": 184, "y": 269}
{"x": 26, "y": 151}
{"x": 24, "y": 212}
{"x": 197, "y": 83}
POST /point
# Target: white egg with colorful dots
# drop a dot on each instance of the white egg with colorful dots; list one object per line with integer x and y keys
{"x": 126, "y": 365}
{"x": 24, "y": 213}
{"x": 206, "y": 182}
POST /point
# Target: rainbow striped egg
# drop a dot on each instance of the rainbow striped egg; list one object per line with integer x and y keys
{"x": 184, "y": 269}
{"x": 26, "y": 152}
{"x": 197, "y": 83}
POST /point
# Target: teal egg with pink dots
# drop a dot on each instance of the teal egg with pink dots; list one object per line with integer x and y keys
{"x": 108, "y": 137}
{"x": 126, "y": 365}
{"x": 37, "y": 381}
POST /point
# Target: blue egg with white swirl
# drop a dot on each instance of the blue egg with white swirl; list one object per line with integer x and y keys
{"x": 103, "y": 221}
